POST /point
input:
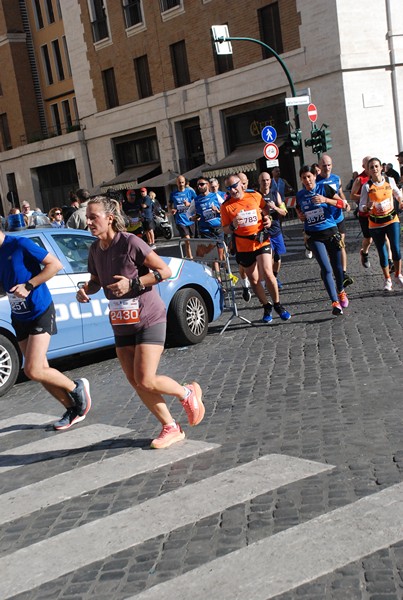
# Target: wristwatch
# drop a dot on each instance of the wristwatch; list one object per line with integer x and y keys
{"x": 29, "y": 287}
{"x": 137, "y": 286}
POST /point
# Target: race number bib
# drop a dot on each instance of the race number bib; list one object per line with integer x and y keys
{"x": 18, "y": 305}
{"x": 124, "y": 312}
{"x": 315, "y": 216}
{"x": 181, "y": 208}
{"x": 384, "y": 207}
{"x": 249, "y": 218}
{"x": 209, "y": 214}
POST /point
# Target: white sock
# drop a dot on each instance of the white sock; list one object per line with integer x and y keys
{"x": 245, "y": 282}
{"x": 187, "y": 393}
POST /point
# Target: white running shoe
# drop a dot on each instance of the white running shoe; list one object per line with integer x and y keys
{"x": 388, "y": 285}
{"x": 308, "y": 253}
{"x": 399, "y": 279}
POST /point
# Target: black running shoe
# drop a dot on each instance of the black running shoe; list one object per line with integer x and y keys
{"x": 81, "y": 396}
{"x": 70, "y": 417}
{"x": 365, "y": 259}
{"x": 280, "y": 310}
{"x": 267, "y": 316}
{"x": 246, "y": 294}
{"x": 347, "y": 280}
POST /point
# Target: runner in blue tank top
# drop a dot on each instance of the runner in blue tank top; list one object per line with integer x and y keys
{"x": 334, "y": 181}
{"x": 315, "y": 204}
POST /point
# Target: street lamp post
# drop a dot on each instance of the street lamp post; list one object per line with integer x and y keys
{"x": 220, "y": 39}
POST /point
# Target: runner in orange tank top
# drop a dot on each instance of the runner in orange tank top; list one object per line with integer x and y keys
{"x": 245, "y": 215}
{"x": 378, "y": 198}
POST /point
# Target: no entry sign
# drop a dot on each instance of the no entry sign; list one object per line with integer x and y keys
{"x": 312, "y": 113}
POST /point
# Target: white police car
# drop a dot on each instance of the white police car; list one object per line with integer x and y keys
{"x": 192, "y": 296}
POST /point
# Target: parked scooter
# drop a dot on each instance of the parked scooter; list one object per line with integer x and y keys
{"x": 162, "y": 226}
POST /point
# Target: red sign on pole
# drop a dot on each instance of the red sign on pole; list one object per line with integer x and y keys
{"x": 312, "y": 113}
{"x": 270, "y": 151}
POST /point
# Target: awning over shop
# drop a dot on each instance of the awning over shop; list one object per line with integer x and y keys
{"x": 242, "y": 159}
{"x": 196, "y": 172}
{"x": 161, "y": 180}
{"x": 129, "y": 178}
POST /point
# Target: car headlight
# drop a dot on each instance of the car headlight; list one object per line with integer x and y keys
{"x": 208, "y": 270}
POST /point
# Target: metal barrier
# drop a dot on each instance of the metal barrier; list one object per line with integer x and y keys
{"x": 206, "y": 252}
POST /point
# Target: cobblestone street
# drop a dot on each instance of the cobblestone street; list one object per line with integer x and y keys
{"x": 308, "y": 414}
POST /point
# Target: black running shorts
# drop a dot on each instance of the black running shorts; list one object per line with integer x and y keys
{"x": 45, "y": 323}
{"x": 150, "y": 335}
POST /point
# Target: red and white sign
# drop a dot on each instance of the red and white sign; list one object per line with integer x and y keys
{"x": 312, "y": 113}
{"x": 271, "y": 151}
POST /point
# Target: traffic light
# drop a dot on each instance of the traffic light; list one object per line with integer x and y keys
{"x": 293, "y": 142}
{"x": 320, "y": 140}
{"x": 295, "y": 138}
{"x": 326, "y": 140}
{"x": 317, "y": 141}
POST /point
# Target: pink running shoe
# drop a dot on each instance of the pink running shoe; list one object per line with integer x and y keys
{"x": 343, "y": 299}
{"x": 193, "y": 404}
{"x": 170, "y": 434}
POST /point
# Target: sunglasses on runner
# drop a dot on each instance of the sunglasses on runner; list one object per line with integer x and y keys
{"x": 233, "y": 186}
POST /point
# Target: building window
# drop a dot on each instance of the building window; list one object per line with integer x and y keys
{"x": 68, "y": 121}
{"x": 192, "y": 146}
{"x": 270, "y": 29}
{"x": 75, "y": 110}
{"x": 179, "y": 63}
{"x": 49, "y": 11}
{"x": 138, "y": 151}
{"x": 66, "y": 54}
{"x": 5, "y": 132}
{"x": 38, "y": 14}
{"x": 99, "y": 21}
{"x": 59, "y": 10}
{"x": 111, "y": 93}
{"x": 58, "y": 60}
{"x": 12, "y": 194}
{"x": 47, "y": 65}
{"x": 57, "y": 126}
{"x": 133, "y": 13}
{"x": 168, "y": 4}
{"x": 143, "y": 76}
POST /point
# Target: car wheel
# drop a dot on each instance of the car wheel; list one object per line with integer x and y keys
{"x": 187, "y": 318}
{"x": 10, "y": 364}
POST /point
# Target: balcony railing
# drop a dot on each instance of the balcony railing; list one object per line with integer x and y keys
{"x": 51, "y": 132}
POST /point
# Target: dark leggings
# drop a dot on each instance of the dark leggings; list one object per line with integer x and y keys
{"x": 379, "y": 235}
{"x": 328, "y": 256}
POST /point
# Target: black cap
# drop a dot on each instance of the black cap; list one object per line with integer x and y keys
{"x": 400, "y": 155}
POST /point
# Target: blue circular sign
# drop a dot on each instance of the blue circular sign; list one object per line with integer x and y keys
{"x": 269, "y": 134}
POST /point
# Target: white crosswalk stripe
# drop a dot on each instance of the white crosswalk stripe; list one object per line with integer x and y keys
{"x": 51, "y": 558}
{"x": 64, "y": 486}
{"x": 26, "y": 421}
{"x": 262, "y": 570}
{"x": 295, "y": 556}
{"x": 57, "y": 443}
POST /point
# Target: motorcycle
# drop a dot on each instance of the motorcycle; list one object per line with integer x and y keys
{"x": 162, "y": 225}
